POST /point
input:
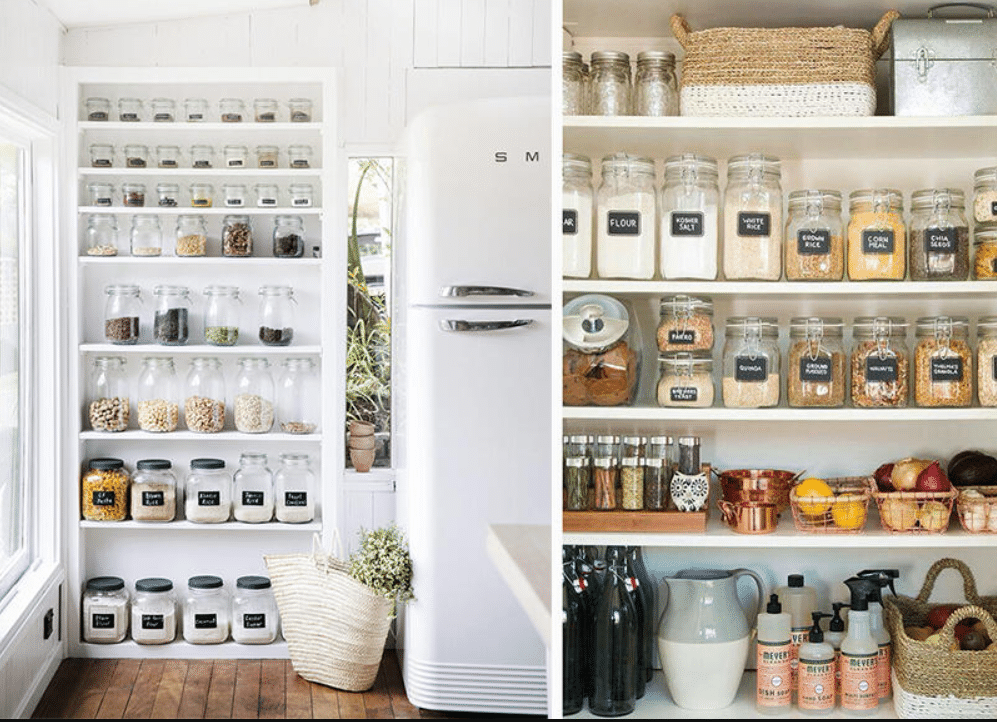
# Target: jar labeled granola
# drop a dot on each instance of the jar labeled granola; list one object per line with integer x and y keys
{"x": 985, "y": 251}
{"x": 751, "y": 363}
{"x": 690, "y": 218}
{"x": 611, "y": 86}
{"x": 880, "y": 362}
{"x": 104, "y": 494}
{"x": 943, "y": 362}
{"x": 816, "y": 371}
{"x": 877, "y": 236}
{"x": 632, "y": 473}
{"x": 686, "y": 324}
{"x": 753, "y": 222}
{"x": 985, "y": 195}
{"x": 939, "y": 236}
{"x": 815, "y": 243}
{"x": 986, "y": 360}
{"x": 686, "y": 380}
{"x": 576, "y": 216}
{"x": 626, "y": 218}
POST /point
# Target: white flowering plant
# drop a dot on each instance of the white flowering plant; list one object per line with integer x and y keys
{"x": 383, "y": 563}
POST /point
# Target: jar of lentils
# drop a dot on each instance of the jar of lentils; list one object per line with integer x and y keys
{"x": 611, "y": 85}
{"x": 877, "y": 236}
{"x": 943, "y": 362}
{"x": 939, "y": 236}
{"x": 815, "y": 242}
{"x": 816, "y": 371}
{"x": 880, "y": 362}
{"x": 751, "y": 363}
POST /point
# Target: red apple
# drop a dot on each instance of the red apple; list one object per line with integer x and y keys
{"x": 938, "y": 615}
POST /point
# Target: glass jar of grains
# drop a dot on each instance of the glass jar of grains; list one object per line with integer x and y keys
{"x": 655, "y": 87}
{"x": 985, "y": 251}
{"x": 254, "y": 611}
{"x": 168, "y": 156}
{"x": 121, "y": 313}
{"x": 158, "y": 392}
{"x": 237, "y": 236}
{"x": 208, "y": 492}
{"x": 685, "y": 324}
{"x": 253, "y": 499}
{"x": 204, "y": 398}
{"x": 751, "y": 363}
{"x": 576, "y": 216}
{"x": 300, "y": 110}
{"x": 659, "y": 466}
{"x": 102, "y": 235}
{"x": 632, "y": 473}
{"x": 577, "y": 472}
{"x": 986, "y": 360}
{"x": 943, "y": 362}
{"x": 299, "y": 398}
{"x": 939, "y": 236}
{"x": 254, "y": 399}
{"x": 105, "y": 611}
{"x": 686, "y": 380}
{"x": 572, "y": 84}
{"x": 98, "y": 109}
{"x": 109, "y": 407}
{"x": 816, "y": 374}
{"x": 606, "y": 472}
{"x": 136, "y": 156}
{"x": 164, "y": 110}
{"x": 626, "y": 225}
{"x": 880, "y": 362}
{"x": 276, "y": 315}
{"x": 192, "y": 236}
{"x": 611, "y": 88}
{"x": 265, "y": 110}
{"x": 985, "y": 195}
{"x": 877, "y": 236}
{"x": 690, "y": 216}
{"x": 171, "y": 324}
{"x": 105, "y": 490}
{"x": 815, "y": 242}
{"x": 231, "y": 110}
{"x": 195, "y": 110}
{"x": 154, "y": 611}
{"x": 154, "y": 491}
{"x": 146, "y": 236}
{"x": 288, "y": 237}
{"x": 221, "y": 315}
{"x": 753, "y": 223}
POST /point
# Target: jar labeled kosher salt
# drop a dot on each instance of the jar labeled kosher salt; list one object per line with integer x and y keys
{"x": 207, "y": 610}
{"x": 606, "y": 472}
{"x": 815, "y": 241}
{"x": 877, "y": 235}
{"x": 208, "y": 492}
{"x": 880, "y": 362}
{"x": 576, "y": 216}
{"x": 690, "y": 217}
{"x": 985, "y": 195}
{"x": 816, "y": 374}
{"x": 253, "y": 497}
{"x": 751, "y": 363}
{"x": 105, "y": 611}
{"x": 655, "y": 86}
{"x": 659, "y": 466}
{"x": 572, "y": 84}
{"x": 985, "y": 251}
{"x": 626, "y": 218}
{"x": 154, "y": 491}
{"x": 611, "y": 86}
{"x": 154, "y": 611}
{"x": 753, "y": 222}
{"x": 577, "y": 472}
{"x": 943, "y": 362}
{"x": 686, "y": 380}
{"x": 685, "y": 324}
{"x": 986, "y": 360}
{"x": 939, "y": 236}
{"x": 109, "y": 407}
{"x": 632, "y": 473}
{"x": 104, "y": 488}
{"x": 254, "y": 611}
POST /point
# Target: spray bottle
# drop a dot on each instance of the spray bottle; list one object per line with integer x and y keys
{"x": 816, "y": 671}
{"x": 774, "y": 692}
{"x": 883, "y": 578}
{"x": 834, "y": 635}
{"x": 860, "y": 653}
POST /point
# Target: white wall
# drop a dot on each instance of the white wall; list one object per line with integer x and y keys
{"x": 29, "y": 53}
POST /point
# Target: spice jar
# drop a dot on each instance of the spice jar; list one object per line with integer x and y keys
{"x": 288, "y": 237}
{"x": 101, "y": 155}
{"x": 751, "y": 363}
{"x": 133, "y": 195}
{"x": 266, "y": 156}
{"x": 880, "y": 365}
{"x": 192, "y": 236}
{"x": 170, "y": 323}
{"x": 154, "y": 491}
{"x": 237, "y": 236}
{"x": 195, "y": 110}
{"x": 158, "y": 391}
{"x": 208, "y": 492}
{"x": 686, "y": 380}
{"x": 276, "y": 315}
{"x": 207, "y": 609}
{"x": 986, "y": 360}
{"x": 943, "y": 362}
{"x": 164, "y": 110}
{"x": 294, "y": 489}
{"x": 688, "y": 461}
{"x": 877, "y": 236}
{"x": 602, "y": 347}
{"x": 154, "y": 611}
{"x": 254, "y": 399}
{"x": 572, "y": 84}
{"x": 201, "y": 156}
{"x": 816, "y": 371}
{"x": 611, "y": 87}
{"x": 105, "y": 490}
{"x": 655, "y": 87}
{"x": 129, "y": 110}
{"x": 815, "y": 242}
{"x": 109, "y": 407}
{"x": 236, "y": 156}
{"x": 298, "y": 397}
{"x": 939, "y": 236}
{"x": 254, "y": 611}
{"x": 299, "y": 156}
{"x": 577, "y": 472}
{"x": 168, "y": 156}
{"x": 753, "y": 223}
{"x": 576, "y": 216}
{"x": 201, "y": 195}
{"x": 204, "y": 399}
{"x": 606, "y": 476}
{"x": 254, "y": 499}
{"x": 98, "y": 109}
{"x": 101, "y": 194}
{"x": 690, "y": 216}
{"x": 300, "y": 110}
{"x": 266, "y": 195}
{"x": 105, "y": 611}
{"x": 231, "y": 110}
{"x": 121, "y": 313}
{"x": 659, "y": 465}
{"x": 686, "y": 324}
{"x": 168, "y": 194}
{"x": 985, "y": 251}
{"x": 265, "y": 110}
{"x": 985, "y": 195}
{"x": 632, "y": 473}
{"x": 136, "y": 156}
{"x": 302, "y": 195}
{"x": 625, "y": 240}
{"x": 221, "y": 315}
{"x": 235, "y": 195}
{"x": 102, "y": 235}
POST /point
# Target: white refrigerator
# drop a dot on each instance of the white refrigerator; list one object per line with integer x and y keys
{"x": 474, "y": 364}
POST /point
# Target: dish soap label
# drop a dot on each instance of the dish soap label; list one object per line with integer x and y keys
{"x": 623, "y": 223}
{"x": 774, "y": 663}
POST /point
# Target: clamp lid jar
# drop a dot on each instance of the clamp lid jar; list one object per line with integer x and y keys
{"x": 158, "y": 395}
{"x": 300, "y": 110}
{"x": 298, "y": 397}
{"x": 204, "y": 398}
{"x": 121, "y": 313}
{"x": 288, "y": 237}
{"x": 265, "y": 110}
{"x": 221, "y": 315}
{"x": 195, "y": 110}
{"x": 690, "y": 216}
{"x": 751, "y": 362}
{"x": 816, "y": 375}
{"x": 168, "y": 156}
{"x": 943, "y": 362}
{"x": 877, "y": 235}
{"x": 939, "y": 235}
{"x": 880, "y": 362}
{"x": 102, "y": 235}
{"x": 626, "y": 218}
{"x": 101, "y": 194}
{"x": 686, "y": 380}
{"x": 753, "y": 219}
{"x": 254, "y": 399}
{"x": 815, "y": 242}
{"x": 98, "y": 109}
{"x": 109, "y": 407}
{"x": 686, "y": 324}
{"x": 576, "y": 215}
{"x": 164, "y": 110}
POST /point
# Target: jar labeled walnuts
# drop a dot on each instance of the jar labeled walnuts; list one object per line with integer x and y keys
{"x": 877, "y": 236}
{"x": 816, "y": 371}
{"x": 943, "y": 362}
{"x": 104, "y": 490}
{"x": 939, "y": 236}
{"x": 880, "y": 362}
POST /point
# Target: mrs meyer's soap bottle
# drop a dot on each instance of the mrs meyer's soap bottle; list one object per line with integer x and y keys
{"x": 774, "y": 692}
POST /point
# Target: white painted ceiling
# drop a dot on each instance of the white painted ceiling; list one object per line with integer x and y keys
{"x": 82, "y": 13}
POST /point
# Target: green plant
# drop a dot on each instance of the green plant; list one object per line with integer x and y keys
{"x": 383, "y": 563}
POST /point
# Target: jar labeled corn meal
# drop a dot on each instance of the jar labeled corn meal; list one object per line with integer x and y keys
{"x": 877, "y": 236}
{"x": 815, "y": 244}
{"x": 985, "y": 195}
{"x": 816, "y": 371}
{"x": 880, "y": 362}
{"x": 986, "y": 360}
{"x": 751, "y": 363}
{"x": 686, "y": 324}
{"x": 686, "y": 381}
{"x": 104, "y": 488}
{"x": 626, "y": 222}
{"x": 985, "y": 251}
{"x": 939, "y": 236}
{"x": 943, "y": 362}
{"x": 753, "y": 222}
{"x": 690, "y": 218}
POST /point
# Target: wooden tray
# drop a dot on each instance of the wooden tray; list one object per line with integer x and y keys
{"x": 684, "y": 522}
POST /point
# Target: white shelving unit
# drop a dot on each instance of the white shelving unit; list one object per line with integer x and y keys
{"x": 180, "y": 549}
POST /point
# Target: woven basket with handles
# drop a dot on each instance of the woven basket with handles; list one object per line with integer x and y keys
{"x": 783, "y": 72}
{"x": 934, "y": 681}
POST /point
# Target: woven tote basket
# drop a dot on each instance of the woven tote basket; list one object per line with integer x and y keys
{"x": 783, "y": 72}
{"x": 335, "y": 626}
{"x": 933, "y": 681}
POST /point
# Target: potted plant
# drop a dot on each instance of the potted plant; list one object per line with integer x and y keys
{"x": 383, "y": 563}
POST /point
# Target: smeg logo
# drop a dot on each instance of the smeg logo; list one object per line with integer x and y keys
{"x": 530, "y": 156}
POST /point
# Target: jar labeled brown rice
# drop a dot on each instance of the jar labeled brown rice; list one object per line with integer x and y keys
{"x": 815, "y": 244}
{"x": 943, "y": 362}
{"x": 877, "y": 236}
{"x": 816, "y": 373}
{"x": 880, "y": 362}
{"x": 985, "y": 251}
{"x": 986, "y": 360}
{"x": 939, "y": 236}
{"x": 686, "y": 324}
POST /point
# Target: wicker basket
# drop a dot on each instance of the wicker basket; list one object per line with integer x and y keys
{"x": 978, "y": 515}
{"x": 335, "y": 626}
{"x": 765, "y": 72}
{"x": 915, "y": 512}
{"x": 824, "y": 515}
{"x": 934, "y": 681}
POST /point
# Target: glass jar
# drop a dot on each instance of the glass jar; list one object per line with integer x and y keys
{"x": 606, "y": 468}
{"x": 266, "y": 156}
{"x": 611, "y": 87}
{"x": 877, "y": 236}
{"x": 753, "y": 223}
{"x": 288, "y": 237}
{"x": 986, "y": 360}
{"x": 171, "y": 325}
{"x": 109, "y": 407}
{"x": 192, "y": 236}
{"x": 102, "y": 235}
{"x": 168, "y": 194}
{"x": 101, "y": 155}
{"x": 237, "y": 236}
{"x": 104, "y": 494}
{"x": 201, "y": 195}
{"x": 751, "y": 363}
{"x": 202, "y": 156}
{"x": 655, "y": 87}
{"x": 625, "y": 236}
{"x": 686, "y": 380}
{"x": 231, "y": 110}
{"x": 254, "y": 495}
{"x": 276, "y": 315}
{"x": 985, "y": 251}
{"x": 168, "y": 156}
{"x": 265, "y": 110}
{"x": 158, "y": 392}
{"x": 880, "y": 362}
{"x": 164, "y": 110}
{"x": 690, "y": 218}
{"x": 121, "y": 313}
{"x": 105, "y": 611}
{"x": 207, "y": 609}
{"x": 154, "y": 491}
{"x": 577, "y": 472}
{"x": 98, "y": 109}
{"x": 576, "y": 216}
{"x": 129, "y": 110}
{"x": 299, "y": 156}
{"x": 299, "y": 397}
{"x": 985, "y": 195}
{"x": 815, "y": 241}
{"x": 221, "y": 315}
{"x": 136, "y": 156}
{"x": 688, "y": 457}
{"x": 302, "y": 195}
{"x": 602, "y": 346}
{"x": 632, "y": 473}
{"x": 939, "y": 236}
{"x": 234, "y": 194}
{"x": 254, "y": 611}
{"x": 686, "y": 324}
{"x": 816, "y": 374}
{"x": 294, "y": 489}
{"x": 101, "y": 194}
{"x": 254, "y": 399}
{"x": 300, "y": 110}
{"x": 943, "y": 362}
{"x": 195, "y": 110}
{"x": 572, "y": 84}
{"x": 154, "y": 611}
{"x": 208, "y": 492}
{"x": 236, "y": 156}
{"x": 659, "y": 466}
{"x": 266, "y": 195}
{"x": 133, "y": 195}
{"x": 204, "y": 399}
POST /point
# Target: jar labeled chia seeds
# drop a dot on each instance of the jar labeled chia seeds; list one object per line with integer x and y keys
{"x": 606, "y": 472}
{"x": 985, "y": 251}
{"x": 753, "y": 222}
{"x": 880, "y": 362}
{"x": 686, "y": 380}
{"x": 208, "y": 492}
{"x": 655, "y": 86}
{"x": 158, "y": 395}
{"x": 109, "y": 408}
{"x": 611, "y": 85}
{"x": 577, "y": 472}
{"x": 632, "y": 473}
{"x": 576, "y": 216}
{"x": 877, "y": 236}
{"x": 943, "y": 362}
{"x": 690, "y": 218}
{"x": 121, "y": 313}
{"x": 751, "y": 363}
{"x": 104, "y": 490}
{"x": 626, "y": 218}
{"x": 816, "y": 375}
{"x": 815, "y": 242}
{"x": 659, "y": 466}
{"x": 985, "y": 195}
{"x": 221, "y": 315}
{"x": 105, "y": 611}
{"x": 939, "y": 236}
{"x": 986, "y": 360}
{"x": 154, "y": 491}
{"x": 572, "y": 84}
{"x": 686, "y": 324}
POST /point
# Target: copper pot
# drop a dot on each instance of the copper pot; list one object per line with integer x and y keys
{"x": 749, "y": 517}
{"x": 758, "y": 485}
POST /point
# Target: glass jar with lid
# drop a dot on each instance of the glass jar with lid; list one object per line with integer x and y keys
{"x": 572, "y": 84}
{"x": 606, "y": 472}
{"x": 985, "y": 251}
{"x": 136, "y": 156}
{"x": 302, "y": 195}
{"x": 109, "y": 408}
{"x": 208, "y": 492}
{"x": 880, "y": 362}
{"x": 986, "y": 360}
{"x": 298, "y": 397}
{"x": 201, "y": 195}
{"x": 171, "y": 325}
{"x": 236, "y": 156}
{"x": 815, "y": 241}
{"x": 753, "y": 222}
{"x": 254, "y": 611}
{"x": 686, "y": 380}
{"x": 265, "y": 110}
{"x": 121, "y": 313}
{"x": 577, "y": 472}
{"x": 101, "y": 155}
{"x": 985, "y": 195}
{"x": 133, "y": 195}
{"x": 154, "y": 491}
{"x": 939, "y": 236}
{"x": 98, "y": 109}
{"x": 104, "y": 488}
{"x": 602, "y": 347}
{"x": 655, "y": 87}
{"x": 168, "y": 195}
{"x": 154, "y": 611}
{"x": 576, "y": 216}
{"x": 164, "y": 110}
{"x": 158, "y": 394}
{"x": 234, "y": 194}
{"x": 231, "y": 110}
{"x": 221, "y": 315}
{"x": 294, "y": 489}
{"x": 202, "y": 156}
{"x": 300, "y": 110}
{"x": 129, "y": 110}
{"x": 100, "y": 193}
{"x": 105, "y": 611}
{"x": 204, "y": 398}
{"x": 685, "y": 324}
{"x": 816, "y": 374}
{"x": 195, "y": 110}
{"x": 102, "y": 235}
{"x": 611, "y": 87}
{"x": 192, "y": 236}
{"x": 877, "y": 235}
{"x": 168, "y": 156}
{"x": 299, "y": 156}
{"x": 276, "y": 315}
{"x": 254, "y": 398}
{"x": 690, "y": 218}
{"x": 632, "y": 473}
{"x": 207, "y": 609}
{"x": 626, "y": 221}
{"x": 943, "y": 362}
{"x": 751, "y": 363}
{"x": 266, "y": 195}
{"x": 237, "y": 236}
{"x": 659, "y": 465}
{"x": 254, "y": 495}
{"x": 266, "y": 156}
{"x": 288, "y": 237}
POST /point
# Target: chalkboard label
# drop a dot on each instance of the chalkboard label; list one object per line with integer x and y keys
{"x": 233, "y": 202}
{"x": 235, "y": 163}
{"x": 881, "y": 370}
{"x": 754, "y": 224}
{"x": 569, "y": 222}
{"x": 623, "y": 223}
{"x": 205, "y": 621}
{"x": 268, "y": 201}
{"x": 681, "y": 336}
{"x": 267, "y": 163}
{"x": 687, "y": 223}
{"x": 813, "y": 242}
{"x": 946, "y": 369}
{"x": 153, "y": 498}
{"x": 103, "y": 498}
{"x": 152, "y": 621}
{"x": 295, "y": 498}
{"x": 168, "y": 163}
{"x": 301, "y": 202}
{"x": 750, "y": 369}
{"x": 816, "y": 370}
{"x": 129, "y": 117}
{"x": 252, "y": 498}
{"x": 877, "y": 242}
{"x": 993, "y": 208}
{"x": 135, "y": 162}
{"x": 209, "y": 498}
{"x": 202, "y": 164}
{"x": 163, "y": 117}
{"x": 102, "y": 621}
{"x": 101, "y": 163}
{"x": 685, "y": 394}
{"x": 102, "y": 201}
{"x": 195, "y": 116}
{"x": 994, "y": 370}
{"x": 97, "y": 115}
{"x": 299, "y": 163}
{"x": 254, "y": 621}
{"x": 940, "y": 240}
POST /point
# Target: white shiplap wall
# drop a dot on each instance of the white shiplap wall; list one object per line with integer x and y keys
{"x": 29, "y": 53}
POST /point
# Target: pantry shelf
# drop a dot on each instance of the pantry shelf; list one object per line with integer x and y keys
{"x": 196, "y": 128}
{"x": 199, "y": 350}
{"x": 271, "y": 173}
{"x": 215, "y": 211}
{"x": 855, "y": 289}
{"x": 721, "y": 414}
{"x": 187, "y": 436}
{"x": 230, "y": 262}
{"x": 170, "y": 527}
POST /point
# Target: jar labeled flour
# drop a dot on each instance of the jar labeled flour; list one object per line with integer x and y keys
{"x": 690, "y": 214}
{"x": 753, "y": 223}
{"x": 626, "y": 218}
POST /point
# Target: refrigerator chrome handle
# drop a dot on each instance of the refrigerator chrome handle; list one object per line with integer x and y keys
{"x": 461, "y": 325}
{"x": 462, "y": 291}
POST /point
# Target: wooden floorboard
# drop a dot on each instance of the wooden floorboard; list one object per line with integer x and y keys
{"x": 219, "y": 704}
{"x": 298, "y": 694}
{"x": 194, "y": 699}
{"x": 272, "y": 689}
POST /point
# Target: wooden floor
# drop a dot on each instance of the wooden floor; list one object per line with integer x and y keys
{"x": 220, "y": 689}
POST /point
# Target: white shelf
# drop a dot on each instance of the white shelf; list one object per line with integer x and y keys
{"x": 273, "y": 527}
{"x": 230, "y": 261}
{"x": 179, "y": 436}
{"x": 194, "y": 210}
{"x": 199, "y": 350}
{"x": 296, "y": 173}
{"x": 196, "y": 128}
{"x": 184, "y": 650}
{"x": 726, "y": 415}
{"x": 858, "y": 289}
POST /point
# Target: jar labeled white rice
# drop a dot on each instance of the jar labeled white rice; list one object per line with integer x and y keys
{"x": 753, "y": 222}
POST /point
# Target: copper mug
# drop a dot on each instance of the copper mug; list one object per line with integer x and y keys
{"x": 749, "y": 517}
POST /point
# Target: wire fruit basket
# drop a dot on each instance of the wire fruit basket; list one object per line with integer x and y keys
{"x": 843, "y": 512}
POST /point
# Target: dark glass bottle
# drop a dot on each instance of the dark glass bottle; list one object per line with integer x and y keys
{"x": 614, "y": 683}
{"x": 586, "y": 572}
{"x": 648, "y": 598}
{"x": 637, "y": 597}
{"x": 573, "y": 615}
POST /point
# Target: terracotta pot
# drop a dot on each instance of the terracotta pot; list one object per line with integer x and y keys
{"x": 362, "y": 459}
{"x": 363, "y": 442}
{"x": 361, "y": 428}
